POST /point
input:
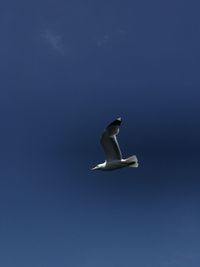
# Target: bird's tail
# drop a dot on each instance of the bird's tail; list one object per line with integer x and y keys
{"x": 132, "y": 161}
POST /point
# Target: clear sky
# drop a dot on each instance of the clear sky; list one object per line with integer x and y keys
{"x": 67, "y": 69}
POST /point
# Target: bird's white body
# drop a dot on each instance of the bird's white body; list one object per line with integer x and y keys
{"x": 117, "y": 164}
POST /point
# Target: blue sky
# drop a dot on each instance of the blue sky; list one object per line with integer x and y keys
{"x": 68, "y": 68}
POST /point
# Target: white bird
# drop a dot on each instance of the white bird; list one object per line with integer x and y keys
{"x": 112, "y": 150}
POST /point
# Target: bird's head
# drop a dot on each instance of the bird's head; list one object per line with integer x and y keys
{"x": 97, "y": 167}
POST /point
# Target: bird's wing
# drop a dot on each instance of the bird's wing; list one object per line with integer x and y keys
{"x": 109, "y": 141}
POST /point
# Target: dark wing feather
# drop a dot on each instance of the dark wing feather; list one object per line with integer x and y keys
{"x": 109, "y": 141}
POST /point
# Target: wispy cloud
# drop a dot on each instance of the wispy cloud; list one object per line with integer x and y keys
{"x": 54, "y": 40}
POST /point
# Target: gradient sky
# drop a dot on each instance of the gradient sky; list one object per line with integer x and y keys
{"x": 68, "y": 68}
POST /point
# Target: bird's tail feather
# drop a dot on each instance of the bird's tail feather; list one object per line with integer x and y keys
{"x": 132, "y": 161}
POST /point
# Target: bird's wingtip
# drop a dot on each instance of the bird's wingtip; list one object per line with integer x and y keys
{"x": 116, "y": 122}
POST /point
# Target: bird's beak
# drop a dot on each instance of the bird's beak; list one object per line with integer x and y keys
{"x": 95, "y": 168}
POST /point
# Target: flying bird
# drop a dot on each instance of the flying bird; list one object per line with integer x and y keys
{"x": 112, "y": 150}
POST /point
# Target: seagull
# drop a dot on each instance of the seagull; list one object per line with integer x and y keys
{"x": 112, "y": 150}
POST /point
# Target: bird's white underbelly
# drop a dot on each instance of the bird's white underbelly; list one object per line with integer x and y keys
{"x": 115, "y": 164}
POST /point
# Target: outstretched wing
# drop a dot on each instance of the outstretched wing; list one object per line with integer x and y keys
{"x": 109, "y": 141}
